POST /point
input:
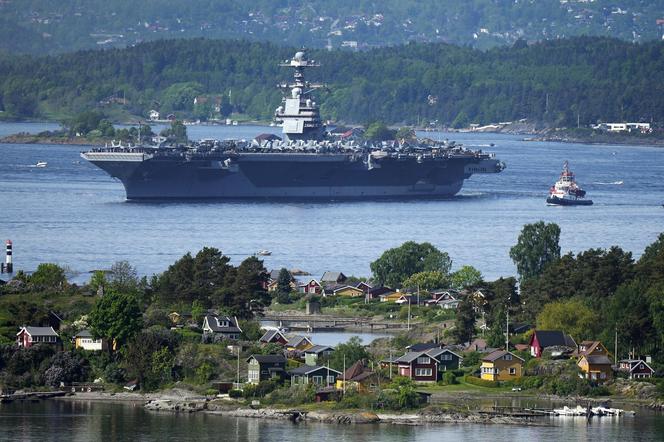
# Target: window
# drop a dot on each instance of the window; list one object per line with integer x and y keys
{"x": 330, "y": 379}
{"x": 512, "y": 370}
{"x": 446, "y": 357}
{"x": 317, "y": 379}
{"x": 508, "y": 357}
{"x": 422, "y": 372}
{"x": 423, "y": 360}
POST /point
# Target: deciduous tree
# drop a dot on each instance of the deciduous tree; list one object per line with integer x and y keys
{"x": 536, "y": 248}
{"x": 397, "y": 264}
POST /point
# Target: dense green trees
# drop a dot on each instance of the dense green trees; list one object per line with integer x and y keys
{"x": 116, "y": 317}
{"x": 572, "y": 316}
{"x": 348, "y": 353}
{"x": 464, "y": 324}
{"x": 397, "y": 264}
{"x": 209, "y": 279}
{"x": 284, "y": 286}
{"x": 596, "y": 78}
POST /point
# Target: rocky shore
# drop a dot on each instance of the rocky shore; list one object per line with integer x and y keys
{"x": 26, "y": 138}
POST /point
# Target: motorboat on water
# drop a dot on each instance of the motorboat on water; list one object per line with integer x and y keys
{"x": 263, "y": 253}
{"x": 566, "y": 192}
{"x": 41, "y": 164}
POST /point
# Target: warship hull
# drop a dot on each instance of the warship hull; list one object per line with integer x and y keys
{"x": 289, "y": 176}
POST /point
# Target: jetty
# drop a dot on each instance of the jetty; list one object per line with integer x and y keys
{"x": 325, "y": 322}
{"x": 30, "y": 396}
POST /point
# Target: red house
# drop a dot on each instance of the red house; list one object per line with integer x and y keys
{"x": 635, "y": 368}
{"x": 29, "y": 336}
{"x": 418, "y": 366}
{"x": 312, "y": 287}
{"x": 543, "y": 339}
{"x": 273, "y": 337}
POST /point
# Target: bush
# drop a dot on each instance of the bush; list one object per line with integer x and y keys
{"x": 294, "y": 395}
{"x": 479, "y": 382}
{"x": 235, "y": 394}
{"x": 529, "y": 382}
{"x": 449, "y": 378}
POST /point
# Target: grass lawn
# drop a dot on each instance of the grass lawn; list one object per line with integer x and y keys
{"x": 463, "y": 387}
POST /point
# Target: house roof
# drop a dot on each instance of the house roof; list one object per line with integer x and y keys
{"x": 435, "y": 352}
{"x": 270, "y": 359}
{"x": 493, "y": 356}
{"x": 422, "y": 346}
{"x": 38, "y": 331}
{"x": 332, "y": 277}
{"x": 353, "y": 371}
{"x": 634, "y": 363}
{"x": 83, "y": 334}
{"x": 306, "y": 369}
{"x": 551, "y": 338}
{"x": 347, "y": 287}
{"x": 271, "y": 334}
{"x": 411, "y": 356}
{"x": 215, "y": 326}
{"x": 381, "y": 290}
{"x": 589, "y": 346}
{"x": 316, "y": 349}
{"x": 477, "y": 345}
{"x": 297, "y": 340}
{"x": 598, "y": 359}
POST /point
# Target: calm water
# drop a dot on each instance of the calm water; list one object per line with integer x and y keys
{"x": 86, "y": 421}
{"x": 74, "y": 214}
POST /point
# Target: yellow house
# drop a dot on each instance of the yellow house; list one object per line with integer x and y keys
{"x": 349, "y": 291}
{"x": 300, "y": 343}
{"x": 596, "y": 367}
{"x": 501, "y": 365}
{"x": 391, "y": 297}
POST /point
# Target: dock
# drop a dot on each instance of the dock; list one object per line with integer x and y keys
{"x": 30, "y": 396}
{"x": 325, "y": 322}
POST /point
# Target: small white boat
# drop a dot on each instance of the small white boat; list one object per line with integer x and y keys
{"x": 41, "y": 164}
{"x": 263, "y": 253}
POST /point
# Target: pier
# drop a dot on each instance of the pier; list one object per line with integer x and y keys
{"x": 324, "y": 322}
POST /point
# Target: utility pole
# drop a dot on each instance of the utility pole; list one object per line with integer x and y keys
{"x": 238, "y": 366}
{"x": 615, "y": 349}
{"x": 390, "y": 363}
{"x": 408, "y": 313}
{"x": 507, "y": 331}
{"x": 344, "y": 375}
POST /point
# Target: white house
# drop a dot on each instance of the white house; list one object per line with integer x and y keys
{"x": 154, "y": 115}
{"x": 84, "y": 340}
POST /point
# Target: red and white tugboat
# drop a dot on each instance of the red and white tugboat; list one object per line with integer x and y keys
{"x": 566, "y": 192}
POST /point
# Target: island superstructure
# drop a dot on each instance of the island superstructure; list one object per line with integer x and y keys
{"x": 307, "y": 164}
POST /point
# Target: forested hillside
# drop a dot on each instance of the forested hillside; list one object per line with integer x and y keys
{"x": 40, "y": 26}
{"x": 553, "y": 81}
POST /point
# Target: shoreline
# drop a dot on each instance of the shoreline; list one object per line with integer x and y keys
{"x": 157, "y": 402}
{"x": 182, "y": 401}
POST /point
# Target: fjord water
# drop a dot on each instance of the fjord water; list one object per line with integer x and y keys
{"x": 89, "y": 420}
{"x": 73, "y": 214}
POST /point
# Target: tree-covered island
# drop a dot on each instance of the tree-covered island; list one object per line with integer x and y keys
{"x": 568, "y": 83}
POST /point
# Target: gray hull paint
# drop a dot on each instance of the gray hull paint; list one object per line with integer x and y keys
{"x": 254, "y": 179}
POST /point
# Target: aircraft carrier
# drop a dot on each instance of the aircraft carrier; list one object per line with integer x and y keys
{"x": 307, "y": 164}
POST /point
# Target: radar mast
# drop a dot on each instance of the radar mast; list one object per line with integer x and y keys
{"x": 298, "y": 113}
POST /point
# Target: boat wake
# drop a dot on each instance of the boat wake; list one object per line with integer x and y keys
{"x": 613, "y": 183}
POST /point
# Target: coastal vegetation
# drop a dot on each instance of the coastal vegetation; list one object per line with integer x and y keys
{"x": 558, "y": 83}
{"x": 595, "y": 295}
